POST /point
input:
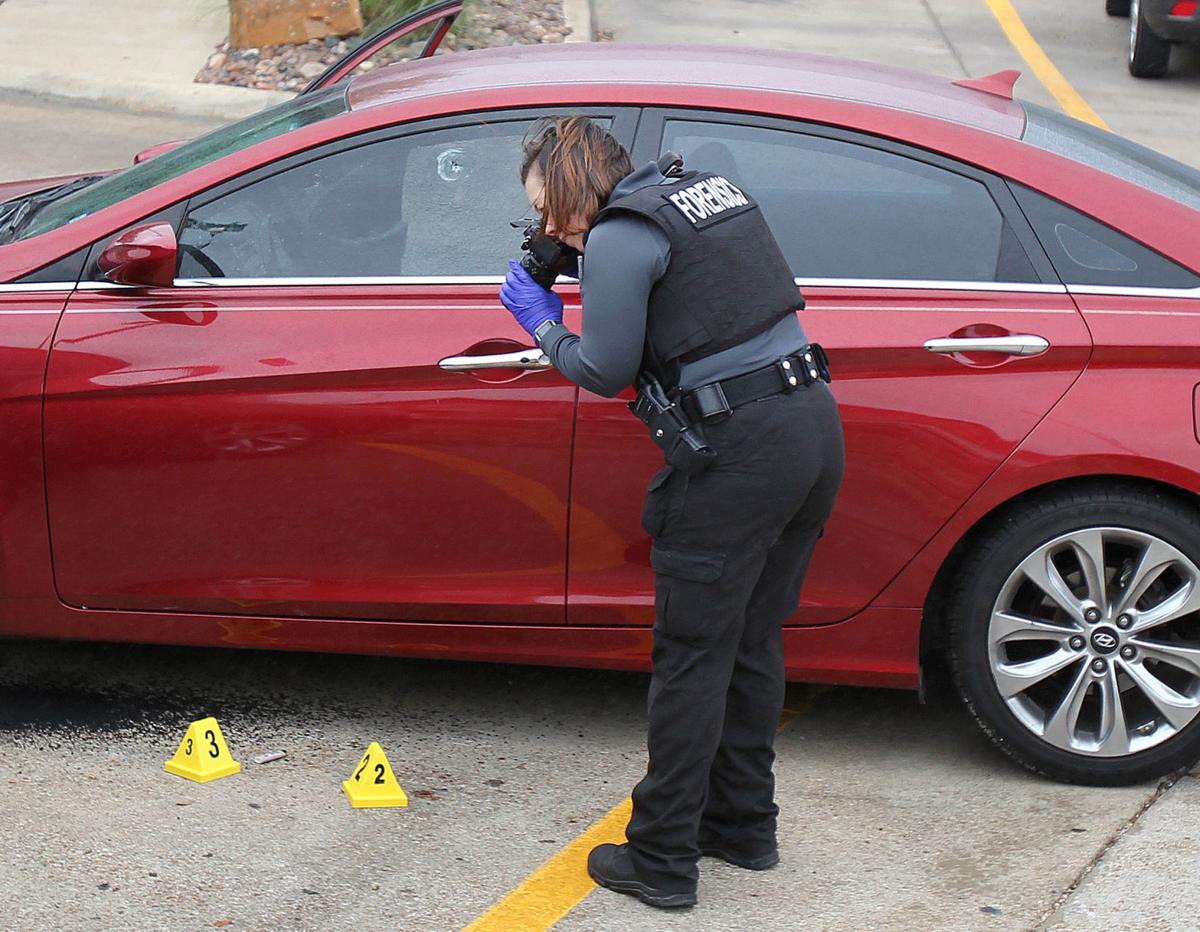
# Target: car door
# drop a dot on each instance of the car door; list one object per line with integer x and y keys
{"x": 286, "y": 431}
{"x": 948, "y": 334}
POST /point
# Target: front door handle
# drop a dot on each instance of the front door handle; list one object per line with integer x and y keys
{"x": 521, "y": 359}
{"x": 1017, "y": 344}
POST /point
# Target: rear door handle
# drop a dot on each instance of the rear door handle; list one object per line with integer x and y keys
{"x": 521, "y": 359}
{"x": 1017, "y": 344}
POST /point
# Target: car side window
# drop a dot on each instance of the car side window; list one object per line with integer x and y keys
{"x": 840, "y": 209}
{"x": 434, "y": 203}
{"x": 1087, "y": 252}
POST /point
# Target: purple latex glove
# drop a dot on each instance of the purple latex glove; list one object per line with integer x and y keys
{"x": 530, "y": 303}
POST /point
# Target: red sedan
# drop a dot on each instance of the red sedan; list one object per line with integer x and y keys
{"x": 258, "y": 389}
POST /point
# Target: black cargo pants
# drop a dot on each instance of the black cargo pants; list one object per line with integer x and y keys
{"x": 731, "y": 547}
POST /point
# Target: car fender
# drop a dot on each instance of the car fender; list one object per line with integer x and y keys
{"x": 28, "y": 319}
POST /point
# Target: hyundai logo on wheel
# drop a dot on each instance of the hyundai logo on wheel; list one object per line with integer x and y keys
{"x": 1104, "y": 641}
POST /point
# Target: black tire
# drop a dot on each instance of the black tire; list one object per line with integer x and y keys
{"x": 1116, "y": 7}
{"x": 980, "y": 581}
{"x": 1148, "y": 54}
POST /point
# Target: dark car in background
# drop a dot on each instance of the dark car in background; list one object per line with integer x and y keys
{"x": 1154, "y": 26}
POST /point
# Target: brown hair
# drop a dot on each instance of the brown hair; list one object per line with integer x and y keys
{"x": 580, "y": 162}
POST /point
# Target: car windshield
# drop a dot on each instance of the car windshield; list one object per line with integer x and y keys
{"x": 1111, "y": 153}
{"x": 288, "y": 116}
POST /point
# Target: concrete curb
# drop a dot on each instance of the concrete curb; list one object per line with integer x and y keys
{"x": 578, "y": 14}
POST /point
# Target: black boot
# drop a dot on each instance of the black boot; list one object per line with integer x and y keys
{"x": 610, "y": 866}
{"x": 760, "y": 860}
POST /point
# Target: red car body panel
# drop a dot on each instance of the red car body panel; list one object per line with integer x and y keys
{"x": 11, "y": 189}
{"x": 672, "y": 70}
{"x": 897, "y": 400}
{"x": 206, "y": 487}
{"x": 25, "y": 569}
{"x": 1143, "y": 373}
{"x": 344, "y": 476}
{"x": 877, "y": 647}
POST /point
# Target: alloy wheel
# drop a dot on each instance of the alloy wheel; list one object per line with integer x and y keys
{"x": 1134, "y": 10}
{"x": 1094, "y": 641}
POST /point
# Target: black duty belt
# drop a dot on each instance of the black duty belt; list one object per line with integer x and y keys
{"x": 784, "y": 375}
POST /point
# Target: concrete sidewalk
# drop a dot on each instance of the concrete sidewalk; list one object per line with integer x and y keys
{"x": 132, "y": 54}
{"x": 1146, "y": 878}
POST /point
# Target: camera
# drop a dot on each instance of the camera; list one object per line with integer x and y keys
{"x": 546, "y": 258}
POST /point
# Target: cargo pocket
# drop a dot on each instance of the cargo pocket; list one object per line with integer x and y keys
{"x": 662, "y": 497}
{"x": 689, "y": 606}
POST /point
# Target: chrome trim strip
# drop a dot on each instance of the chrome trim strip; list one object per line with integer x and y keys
{"x": 348, "y": 280}
{"x": 880, "y": 283}
{"x": 31, "y": 312}
{"x": 521, "y": 359}
{"x": 288, "y": 308}
{"x": 1019, "y": 344}
{"x": 37, "y": 286}
{"x": 1119, "y": 291}
{"x": 1121, "y": 312}
{"x": 913, "y": 284}
{"x": 388, "y": 305}
{"x": 937, "y": 309}
{"x": 311, "y": 282}
{"x": 893, "y": 284}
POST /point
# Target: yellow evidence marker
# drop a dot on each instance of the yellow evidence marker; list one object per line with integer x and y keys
{"x": 373, "y": 784}
{"x": 203, "y": 754}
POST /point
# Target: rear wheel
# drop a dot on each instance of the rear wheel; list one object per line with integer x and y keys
{"x": 1116, "y": 7}
{"x": 1075, "y": 636}
{"x": 1148, "y": 54}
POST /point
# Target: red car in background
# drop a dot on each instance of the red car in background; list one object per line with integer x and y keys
{"x": 258, "y": 389}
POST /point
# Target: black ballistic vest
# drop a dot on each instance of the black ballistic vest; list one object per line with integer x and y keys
{"x": 726, "y": 281}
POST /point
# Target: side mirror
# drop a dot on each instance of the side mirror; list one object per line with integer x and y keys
{"x": 144, "y": 255}
{"x": 157, "y": 150}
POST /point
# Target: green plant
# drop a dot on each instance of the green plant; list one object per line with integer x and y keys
{"x": 378, "y": 13}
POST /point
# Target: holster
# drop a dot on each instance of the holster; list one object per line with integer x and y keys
{"x": 822, "y": 360}
{"x": 681, "y": 440}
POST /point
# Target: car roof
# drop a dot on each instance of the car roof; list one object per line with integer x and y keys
{"x": 688, "y": 66}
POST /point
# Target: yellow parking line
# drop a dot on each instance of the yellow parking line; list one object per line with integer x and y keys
{"x": 559, "y": 885}
{"x": 1068, "y": 98}
{"x": 562, "y": 883}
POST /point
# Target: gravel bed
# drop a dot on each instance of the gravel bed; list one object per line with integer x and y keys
{"x": 486, "y": 23}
